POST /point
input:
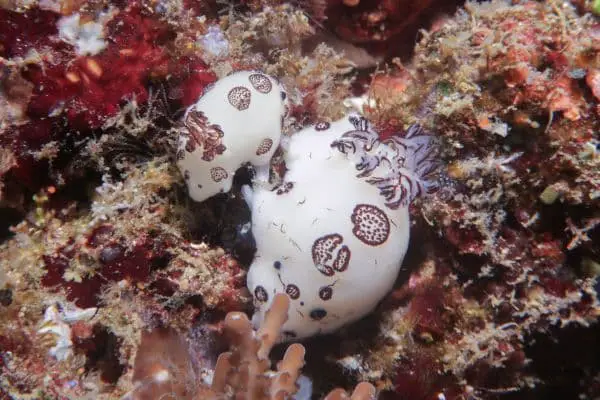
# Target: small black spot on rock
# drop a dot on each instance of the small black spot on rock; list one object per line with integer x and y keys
{"x": 6, "y": 297}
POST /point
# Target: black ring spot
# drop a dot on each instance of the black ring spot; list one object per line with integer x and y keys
{"x": 261, "y": 294}
{"x": 318, "y": 314}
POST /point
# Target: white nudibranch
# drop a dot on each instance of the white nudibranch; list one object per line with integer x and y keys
{"x": 235, "y": 122}
{"x": 333, "y": 235}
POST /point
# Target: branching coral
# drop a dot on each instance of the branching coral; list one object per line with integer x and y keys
{"x": 244, "y": 371}
{"x": 165, "y": 367}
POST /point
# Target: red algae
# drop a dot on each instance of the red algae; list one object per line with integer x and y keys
{"x": 84, "y": 92}
{"x": 116, "y": 263}
{"x": 89, "y": 90}
{"x": 198, "y": 77}
{"x": 23, "y": 32}
{"x": 384, "y": 27}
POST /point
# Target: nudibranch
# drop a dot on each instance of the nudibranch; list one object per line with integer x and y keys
{"x": 238, "y": 121}
{"x": 334, "y": 232}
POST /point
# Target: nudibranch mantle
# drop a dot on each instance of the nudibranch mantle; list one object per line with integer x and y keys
{"x": 237, "y": 121}
{"x": 334, "y": 233}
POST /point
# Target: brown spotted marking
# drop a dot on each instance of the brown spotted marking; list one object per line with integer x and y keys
{"x": 293, "y": 291}
{"x": 218, "y": 174}
{"x": 186, "y": 175}
{"x": 330, "y": 255}
{"x": 264, "y": 147}
{"x": 200, "y": 132}
{"x": 180, "y": 155}
{"x": 283, "y": 188}
{"x": 261, "y": 294}
{"x": 326, "y": 293}
{"x": 322, "y": 126}
{"x": 342, "y": 260}
{"x": 371, "y": 224}
{"x": 239, "y": 97}
{"x": 190, "y": 145}
{"x": 261, "y": 83}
